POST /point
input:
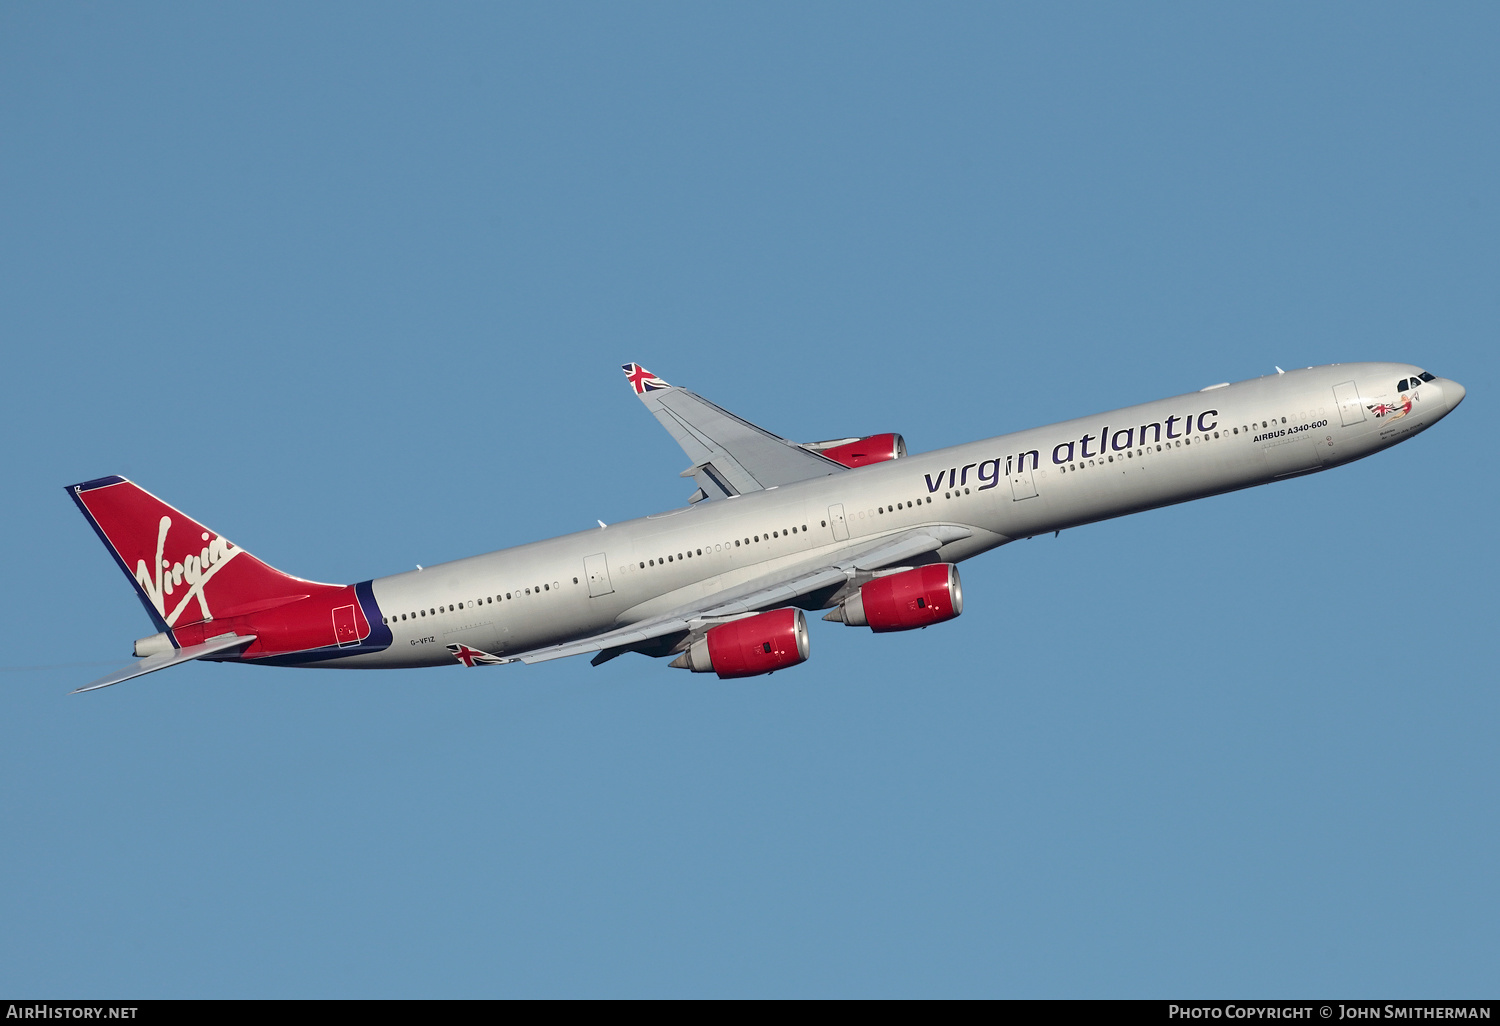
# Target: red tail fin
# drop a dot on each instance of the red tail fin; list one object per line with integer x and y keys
{"x": 184, "y": 573}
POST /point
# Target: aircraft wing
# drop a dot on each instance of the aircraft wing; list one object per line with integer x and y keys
{"x": 769, "y": 592}
{"x": 729, "y": 456}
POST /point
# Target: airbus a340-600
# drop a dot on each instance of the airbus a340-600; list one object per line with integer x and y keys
{"x": 855, "y": 526}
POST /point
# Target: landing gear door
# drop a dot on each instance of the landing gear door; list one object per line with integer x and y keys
{"x": 597, "y": 568}
{"x": 1351, "y": 410}
{"x": 836, "y": 521}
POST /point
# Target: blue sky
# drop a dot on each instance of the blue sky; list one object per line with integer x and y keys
{"x": 352, "y": 284}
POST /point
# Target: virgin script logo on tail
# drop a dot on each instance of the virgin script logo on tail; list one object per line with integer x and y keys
{"x": 196, "y": 569}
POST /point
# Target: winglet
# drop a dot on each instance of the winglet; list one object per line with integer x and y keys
{"x": 641, "y": 379}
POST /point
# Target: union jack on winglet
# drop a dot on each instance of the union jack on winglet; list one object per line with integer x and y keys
{"x": 641, "y": 379}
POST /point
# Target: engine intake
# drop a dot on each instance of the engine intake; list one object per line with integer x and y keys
{"x": 904, "y": 601}
{"x": 749, "y": 647}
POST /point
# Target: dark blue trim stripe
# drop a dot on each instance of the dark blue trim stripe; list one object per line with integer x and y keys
{"x": 378, "y": 640}
{"x": 104, "y": 482}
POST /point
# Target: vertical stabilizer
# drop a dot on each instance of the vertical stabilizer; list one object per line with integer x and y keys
{"x": 183, "y": 572}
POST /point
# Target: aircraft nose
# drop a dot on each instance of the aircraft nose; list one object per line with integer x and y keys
{"x": 1453, "y": 393}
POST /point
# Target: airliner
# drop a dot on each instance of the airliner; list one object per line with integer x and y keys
{"x": 856, "y": 526}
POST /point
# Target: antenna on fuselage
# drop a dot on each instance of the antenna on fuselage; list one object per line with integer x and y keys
{"x": 1278, "y": 369}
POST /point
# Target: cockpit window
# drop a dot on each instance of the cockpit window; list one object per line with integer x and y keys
{"x": 1426, "y": 376}
{"x": 1402, "y": 387}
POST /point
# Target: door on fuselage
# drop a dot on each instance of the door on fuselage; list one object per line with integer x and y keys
{"x": 1351, "y": 410}
{"x": 836, "y": 521}
{"x": 597, "y": 569}
{"x": 1023, "y": 484}
{"x": 345, "y": 627}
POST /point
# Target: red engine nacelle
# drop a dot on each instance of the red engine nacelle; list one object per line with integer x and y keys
{"x": 905, "y": 601}
{"x": 749, "y": 647}
{"x": 861, "y": 452}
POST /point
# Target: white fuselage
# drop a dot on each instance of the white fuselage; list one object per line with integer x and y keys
{"x": 1001, "y": 489}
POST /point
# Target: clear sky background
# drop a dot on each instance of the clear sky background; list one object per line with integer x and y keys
{"x": 352, "y": 285}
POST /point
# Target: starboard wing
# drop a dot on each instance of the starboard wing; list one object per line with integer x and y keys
{"x": 729, "y": 455}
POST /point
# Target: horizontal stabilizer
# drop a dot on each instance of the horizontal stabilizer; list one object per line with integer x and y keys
{"x": 162, "y": 660}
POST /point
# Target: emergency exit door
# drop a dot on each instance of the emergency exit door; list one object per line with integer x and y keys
{"x": 836, "y": 521}
{"x": 1351, "y": 410}
{"x": 597, "y": 569}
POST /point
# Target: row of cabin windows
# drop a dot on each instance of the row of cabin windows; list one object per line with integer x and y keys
{"x": 881, "y": 510}
{"x": 487, "y": 600}
{"x": 1131, "y": 454}
{"x": 1128, "y": 454}
{"x": 1205, "y": 437}
{"x": 690, "y": 553}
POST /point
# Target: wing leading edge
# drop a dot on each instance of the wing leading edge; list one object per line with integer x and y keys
{"x": 729, "y": 455}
